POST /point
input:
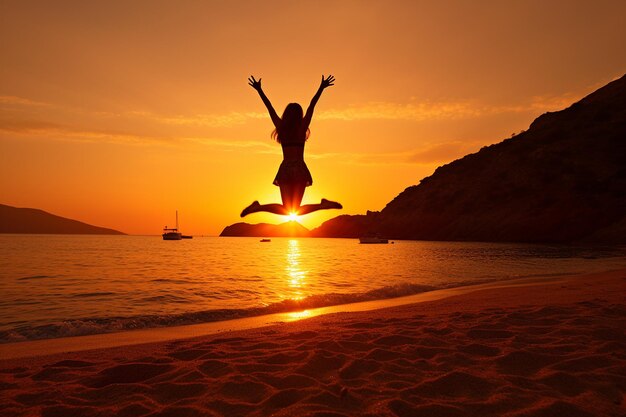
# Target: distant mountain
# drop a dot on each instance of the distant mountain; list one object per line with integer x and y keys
{"x": 287, "y": 229}
{"x": 562, "y": 180}
{"x": 347, "y": 226}
{"x": 29, "y": 220}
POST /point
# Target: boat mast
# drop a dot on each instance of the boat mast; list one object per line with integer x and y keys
{"x": 176, "y": 220}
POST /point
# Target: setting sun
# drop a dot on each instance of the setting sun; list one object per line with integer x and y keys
{"x": 292, "y": 217}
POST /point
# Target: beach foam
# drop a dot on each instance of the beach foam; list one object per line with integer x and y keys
{"x": 98, "y": 325}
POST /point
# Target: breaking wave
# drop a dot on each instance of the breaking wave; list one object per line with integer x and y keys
{"x": 98, "y": 325}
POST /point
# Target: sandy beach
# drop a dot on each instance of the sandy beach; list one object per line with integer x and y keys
{"x": 554, "y": 347}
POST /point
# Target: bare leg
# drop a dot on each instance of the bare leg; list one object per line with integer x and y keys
{"x": 324, "y": 205}
{"x": 270, "y": 208}
{"x": 292, "y": 194}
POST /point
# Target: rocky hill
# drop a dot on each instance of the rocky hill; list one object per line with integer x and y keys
{"x": 562, "y": 180}
{"x": 29, "y": 220}
{"x": 287, "y": 229}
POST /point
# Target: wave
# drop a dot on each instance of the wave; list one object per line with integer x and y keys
{"x": 90, "y": 294}
{"x": 34, "y": 277}
{"x": 99, "y": 325}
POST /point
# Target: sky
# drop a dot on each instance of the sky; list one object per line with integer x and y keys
{"x": 119, "y": 113}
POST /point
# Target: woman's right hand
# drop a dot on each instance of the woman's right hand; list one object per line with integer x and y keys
{"x": 256, "y": 84}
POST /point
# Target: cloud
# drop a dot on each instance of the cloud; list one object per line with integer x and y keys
{"x": 67, "y": 133}
{"x": 44, "y": 129}
{"x": 427, "y": 155}
{"x": 27, "y": 126}
{"x": 554, "y": 102}
{"x": 20, "y": 101}
{"x": 420, "y": 111}
{"x": 441, "y": 152}
{"x": 445, "y": 110}
{"x": 366, "y": 111}
{"x": 380, "y": 110}
{"x": 261, "y": 147}
{"x": 202, "y": 120}
{"x": 403, "y": 111}
{"x": 30, "y": 110}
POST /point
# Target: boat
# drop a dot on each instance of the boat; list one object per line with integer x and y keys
{"x": 187, "y": 237}
{"x": 372, "y": 240}
{"x": 172, "y": 233}
{"x": 265, "y": 240}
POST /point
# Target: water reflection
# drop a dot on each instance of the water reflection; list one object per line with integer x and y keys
{"x": 298, "y": 315}
{"x": 296, "y": 276}
{"x": 108, "y": 281}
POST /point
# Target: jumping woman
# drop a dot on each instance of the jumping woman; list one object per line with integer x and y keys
{"x": 291, "y": 131}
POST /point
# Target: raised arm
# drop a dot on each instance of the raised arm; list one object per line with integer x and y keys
{"x": 257, "y": 86}
{"x": 309, "y": 112}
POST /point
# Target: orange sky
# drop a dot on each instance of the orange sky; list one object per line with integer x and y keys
{"x": 117, "y": 113}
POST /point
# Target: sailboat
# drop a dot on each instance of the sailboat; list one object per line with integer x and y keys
{"x": 172, "y": 233}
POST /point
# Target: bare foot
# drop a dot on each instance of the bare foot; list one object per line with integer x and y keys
{"x": 250, "y": 209}
{"x": 327, "y": 204}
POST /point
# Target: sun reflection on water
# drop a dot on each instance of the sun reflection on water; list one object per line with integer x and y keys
{"x": 298, "y": 315}
{"x": 296, "y": 276}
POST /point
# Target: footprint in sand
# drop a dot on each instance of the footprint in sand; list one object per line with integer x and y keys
{"x": 128, "y": 374}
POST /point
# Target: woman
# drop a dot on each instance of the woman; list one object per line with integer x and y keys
{"x": 291, "y": 131}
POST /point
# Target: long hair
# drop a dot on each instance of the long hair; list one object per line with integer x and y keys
{"x": 290, "y": 125}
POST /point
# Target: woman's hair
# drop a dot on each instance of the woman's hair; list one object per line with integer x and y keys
{"x": 290, "y": 125}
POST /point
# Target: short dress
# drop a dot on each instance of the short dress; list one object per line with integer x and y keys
{"x": 293, "y": 172}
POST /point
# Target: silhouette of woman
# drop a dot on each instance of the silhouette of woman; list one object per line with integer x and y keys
{"x": 292, "y": 131}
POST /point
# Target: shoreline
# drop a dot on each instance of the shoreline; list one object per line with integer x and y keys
{"x": 43, "y": 347}
{"x": 538, "y": 347}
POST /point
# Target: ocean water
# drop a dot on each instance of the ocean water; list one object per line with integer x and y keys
{"x": 58, "y": 285}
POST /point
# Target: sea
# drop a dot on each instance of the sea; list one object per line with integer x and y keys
{"x": 55, "y": 286}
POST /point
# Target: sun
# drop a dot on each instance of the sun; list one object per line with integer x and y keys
{"x": 292, "y": 217}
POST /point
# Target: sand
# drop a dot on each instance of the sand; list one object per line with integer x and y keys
{"x": 549, "y": 348}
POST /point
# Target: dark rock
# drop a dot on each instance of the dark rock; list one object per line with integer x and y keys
{"x": 29, "y": 220}
{"x": 287, "y": 229}
{"x": 562, "y": 180}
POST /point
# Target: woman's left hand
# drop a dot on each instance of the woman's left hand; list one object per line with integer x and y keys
{"x": 327, "y": 82}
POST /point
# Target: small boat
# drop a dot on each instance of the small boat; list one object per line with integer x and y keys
{"x": 265, "y": 240}
{"x": 187, "y": 237}
{"x": 372, "y": 240}
{"x": 172, "y": 233}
